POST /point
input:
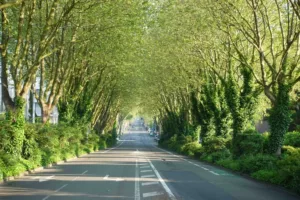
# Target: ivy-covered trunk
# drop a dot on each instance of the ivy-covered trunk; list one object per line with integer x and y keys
{"x": 280, "y": 119}
{"x": 17, "y": 118}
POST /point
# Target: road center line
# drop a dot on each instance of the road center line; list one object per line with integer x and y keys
{"x": 167, "y": 189}
{"x": 55, "y": 191}
{"x": 137, "y": 195}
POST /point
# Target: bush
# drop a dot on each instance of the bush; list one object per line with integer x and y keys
{"x": 230, "y": 164}
{"x": 220, "y": 155}
{"x": 214, "y": 144}
{"x": 250, "y": 142}
{"x": 254, "y": 163}
{"x": 266, "y": 175}
{"x": 289, "y": 169}
{"x": 190, "y": 148}
{"x": 292, "y": 139}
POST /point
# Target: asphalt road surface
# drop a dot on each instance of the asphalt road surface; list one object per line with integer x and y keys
{"x": 137, "y": 169}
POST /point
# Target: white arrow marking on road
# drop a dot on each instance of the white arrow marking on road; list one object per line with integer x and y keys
{"x": 45, "y": 179}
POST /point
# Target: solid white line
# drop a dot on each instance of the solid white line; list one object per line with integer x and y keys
{"x": 214, "y": 173}
{"x": 137, "y": 195}
{"x": 74, "y": 179}
{"x": 197, "y": 165}
{"x": 150, "y": 183}
{"x": 105, "y": 177}
{"x": 143, "y": 171}
{"x": 148, "y": 176}
{"x": 204, "y": 168}
{"x": 145, "y": 167}
{"x": 167, "y": 189}
{"x": 152, "y": 194}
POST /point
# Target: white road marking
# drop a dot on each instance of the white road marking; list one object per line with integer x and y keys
{"x": 167, "y": 189}
{"x": 143, "y": 171}
{"x": 119, "y": 179}
{"x": 188, "y": 161}
{"x": 150, "y": 183}
{"x": 61, "y": 188}
{"x": 137, "y": 195}
{"x": 143, "y": 167}
{"x": 148, "y": 176}
{"x": 46, "y": 179}
{"x": 55, "y": 191}
{"x": 74, "y": 179}
{"x": 105, "y": 177}
{"x": 214, "y": 173}
{"x": 143, "y": 164}
{"x": 152, "y": 194}
{"x": 112, "y": 148}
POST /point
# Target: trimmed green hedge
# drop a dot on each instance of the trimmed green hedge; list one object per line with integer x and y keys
{"x": 45, "y": 144}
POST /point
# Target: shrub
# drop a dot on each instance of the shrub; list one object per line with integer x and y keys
{"x": 266, "y": 175}
{"x": 289, "y": 169}
{"x": 292, "y": 139}
{"x": 230, "y": 164}
{"x": 190, "y": 148}
{"x": 220, "y": 155}
{"x": 253, "y": 163}
{"x": 250, "y": 142}
{"x": 213, "y": 144}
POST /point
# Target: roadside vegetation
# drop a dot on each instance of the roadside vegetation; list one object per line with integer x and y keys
{"x": 207, "y": 71}
{"x": 72, "y": 56}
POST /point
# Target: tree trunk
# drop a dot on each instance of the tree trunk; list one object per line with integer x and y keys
{"x": 45, "y": 113}
{"x": 279, "y": 119}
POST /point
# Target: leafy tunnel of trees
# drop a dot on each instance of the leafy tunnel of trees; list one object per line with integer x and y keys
{"x": 207, "y": 70}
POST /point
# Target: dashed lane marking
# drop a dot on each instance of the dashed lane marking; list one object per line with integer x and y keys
{"x": 144, "y": 171}
{"x": 143, "y": 167}
{"x": 148, "y": 176}
{"x": 150, "y": 183}
{"x": 152, "y": 194}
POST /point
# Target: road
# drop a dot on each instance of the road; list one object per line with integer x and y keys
{"x": 137, "y": 169}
